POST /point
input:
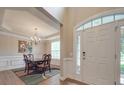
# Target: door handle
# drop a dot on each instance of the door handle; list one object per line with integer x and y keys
{"x": 84, "y": 54}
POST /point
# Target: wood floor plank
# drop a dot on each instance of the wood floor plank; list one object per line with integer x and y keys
{"x": 9, "y": 78}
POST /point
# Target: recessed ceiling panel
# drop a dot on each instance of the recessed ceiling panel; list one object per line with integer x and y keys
{"x": 23, "y": 22}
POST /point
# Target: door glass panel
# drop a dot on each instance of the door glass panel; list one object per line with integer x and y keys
{"x": 119, "y": 16}
{"x": 107, "y": 19}
{"x": 122, "y": 55}
{"x": 78, "y": 55}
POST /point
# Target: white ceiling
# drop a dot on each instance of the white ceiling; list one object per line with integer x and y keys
{"x": 57, "y": 12}
{"x": 24, "y": 21}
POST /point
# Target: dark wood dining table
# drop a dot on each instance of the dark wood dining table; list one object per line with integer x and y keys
{"x": 36, "y": 62}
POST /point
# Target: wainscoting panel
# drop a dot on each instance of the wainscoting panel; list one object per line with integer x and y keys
{"x": 68, "y": 68}
{"x": 11, "y": 62}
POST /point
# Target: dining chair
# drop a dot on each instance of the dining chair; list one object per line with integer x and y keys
{"x": 31, "y": 57}
{"x": 47, "y": 62}
{"x": 41, "y": 65}
{"x": 26, "y": 61}
{"x": 44, "y": 56}
{"x": 28, "y": 64}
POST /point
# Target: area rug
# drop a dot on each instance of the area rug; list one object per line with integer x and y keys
{"x": 34, "y": 78}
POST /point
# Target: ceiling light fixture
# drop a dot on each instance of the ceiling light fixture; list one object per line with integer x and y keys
{"x": 35, "y": 38}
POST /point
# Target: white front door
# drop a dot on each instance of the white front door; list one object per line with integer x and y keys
{"x": 98, "y": 55}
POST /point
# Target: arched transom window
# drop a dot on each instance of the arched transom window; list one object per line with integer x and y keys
{"x": 100, "y": 21}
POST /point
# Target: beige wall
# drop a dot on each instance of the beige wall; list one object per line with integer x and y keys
{"x": 9, "y": 46}
{"x": 48, "y": 46}
{"x": 73, "y": 17}
{"x": 39, "y": 49}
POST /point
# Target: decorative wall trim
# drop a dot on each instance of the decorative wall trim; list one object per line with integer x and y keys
{"x": 68, "y": 68}
{"x": 11, "y": 62}
{"x": 67, "y": 59}
{"x": 48, "y": 15}
{"x": 63, "y": 78}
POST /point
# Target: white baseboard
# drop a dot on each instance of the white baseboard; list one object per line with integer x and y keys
{"x": 11, "y": 67}
{"x": 62, "y": 78}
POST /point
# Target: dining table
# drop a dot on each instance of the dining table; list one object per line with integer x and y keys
{"x": 36, "y": 62}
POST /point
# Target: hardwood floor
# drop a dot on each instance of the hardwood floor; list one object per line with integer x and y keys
{"x": 55, "y": 80}
{"x": 9, "y": 78}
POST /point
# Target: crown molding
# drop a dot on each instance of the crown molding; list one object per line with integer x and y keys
{"x": 53, "y": 35}
{"x": 41, "y": 9}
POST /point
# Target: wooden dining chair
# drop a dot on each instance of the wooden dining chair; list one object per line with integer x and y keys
{"x": 41, "y": 65}
{"x": 47, "y": 62}
{"x": 45, "y": 65}
{"x": 26, "y": 61}
{"x": 44, "y": 56}
{"x": 28, "y": 64}
{"x": 31, "y": 57}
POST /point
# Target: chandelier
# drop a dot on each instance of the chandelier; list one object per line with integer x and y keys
{"x": 35, "y": 38}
